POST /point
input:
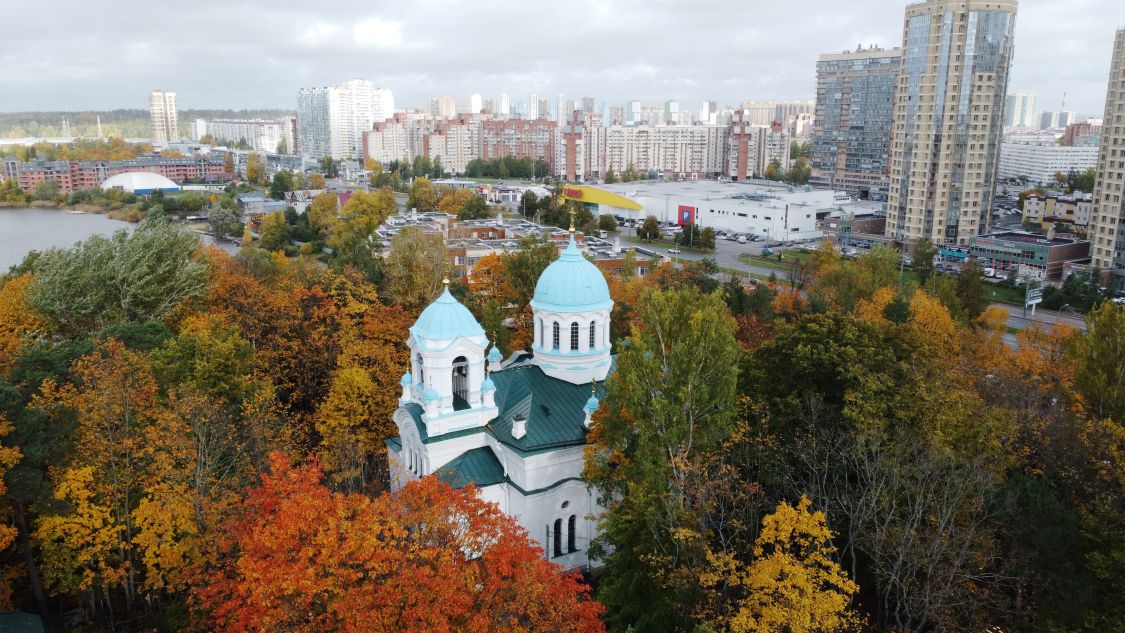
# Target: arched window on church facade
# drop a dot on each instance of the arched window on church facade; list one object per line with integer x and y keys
{"x": 555, "y": 335}
{"x": 593, "y": 341}
{"x": 571, "y": 524}
{"x": 421, "y": 371}
{"x": 558, "y": 537}
{"x": 574, "y": 337}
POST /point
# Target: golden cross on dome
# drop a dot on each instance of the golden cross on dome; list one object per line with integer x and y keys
{"x": 572, "y": 219}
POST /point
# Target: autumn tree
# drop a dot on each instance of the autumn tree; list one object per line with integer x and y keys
{"x": 422, "y": 195}
{"x": 792, "y": 585}
{"x": 300, "y": 557}
{"x": 225, "y": 222}
{"x": 322, "y": 211}
{"x": 255, "y": 171}
{"x": 18, "y": 321}
{"x": 353, "y": 236}
{"x": 415, "y": 267}
{"x": 92, "y": 547}
{"x": 670, "y": 402}
{"x": 274, "y": 232}
{"x": 453, "y": 200}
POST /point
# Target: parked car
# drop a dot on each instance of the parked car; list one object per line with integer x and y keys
{"x": 674, "y": 251}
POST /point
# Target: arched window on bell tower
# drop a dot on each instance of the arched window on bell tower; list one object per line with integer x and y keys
{"x": 460, "y": 383}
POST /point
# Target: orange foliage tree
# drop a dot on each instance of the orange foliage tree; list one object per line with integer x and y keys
{"x": 427, "y": 558}
{"x": 17, "y": 320}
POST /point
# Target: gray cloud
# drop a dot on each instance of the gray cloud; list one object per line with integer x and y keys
{"x": 79, "y": 55}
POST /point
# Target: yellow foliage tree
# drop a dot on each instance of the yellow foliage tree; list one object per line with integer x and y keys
{"x": 350, "y": 423}
{"x": 792, "y": 585}
{"x": 322, "y": 211}
{"x": 80, "y": 549}
{"x": 454, "y": 200}
{"x": 254, "y": 169}
{"x": 17, "y": 320}
{"x": 9, "y": 455}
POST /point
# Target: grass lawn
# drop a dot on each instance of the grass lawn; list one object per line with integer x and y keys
{"x": 790, "y": 256}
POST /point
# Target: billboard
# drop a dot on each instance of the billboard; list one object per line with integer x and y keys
{"x": 686, "y": 215}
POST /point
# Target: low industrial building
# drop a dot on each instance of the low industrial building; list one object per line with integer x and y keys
{"x": 1033, "y": 256}
{"x": 773, "y": 211}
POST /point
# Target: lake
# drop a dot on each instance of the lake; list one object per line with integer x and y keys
{"x": 25, "y": 229}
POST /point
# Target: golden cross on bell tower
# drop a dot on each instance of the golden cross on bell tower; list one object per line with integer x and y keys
{"x": 572, "y": 219}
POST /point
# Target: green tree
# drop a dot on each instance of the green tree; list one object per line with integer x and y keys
{"x": 274, "y": 232}
{"x": 630, "y": 173}
{"x": 526, "y": 264}
{"x": 1099, "y": 357}
{"x": 330, "y": 167}
{"x": 46, "y": 190}
{"x": 610, "y": 177}
{"x": 134, "y": 277}
{"x": 282, "y": 183}
{"x": 475, "y": 209}
{"x": 970, "y": 288}
{"x": 607, "y": 223}
{"x": 649, "y": 229}
{"x": 670, "y": 404}
{"x": 924, "y": 254}
{"x": 224, "y": 221}
{"x": 629, "y": 265}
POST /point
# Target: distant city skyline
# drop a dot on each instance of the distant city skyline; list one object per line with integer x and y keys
{"x": 87, "y": 58}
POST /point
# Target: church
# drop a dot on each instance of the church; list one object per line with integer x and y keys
{"x": 515, "y": 428}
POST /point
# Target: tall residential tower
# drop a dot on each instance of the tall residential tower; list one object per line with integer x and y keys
{"x": 851, "y": 138}
{"x": 1107, "y": 215}
{"x": 948, "y": 118}
{"x": 162, "y": 114}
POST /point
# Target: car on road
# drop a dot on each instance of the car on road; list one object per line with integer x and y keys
{"x": 674, "y": 251}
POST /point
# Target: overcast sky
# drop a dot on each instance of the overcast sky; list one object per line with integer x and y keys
{"x": 95, "y": 55}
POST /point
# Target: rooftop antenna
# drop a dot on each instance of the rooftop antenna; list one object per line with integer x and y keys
{"x": 66, "y": 126}
{"x": 99, "y": 126}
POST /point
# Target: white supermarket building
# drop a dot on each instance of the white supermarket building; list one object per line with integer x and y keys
{"x": 769, "y": 210}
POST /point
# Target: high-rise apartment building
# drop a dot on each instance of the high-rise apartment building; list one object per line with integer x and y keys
{"x": 1019, "y": 110}
{"x": 852, "y": 135}
{"x": 162, "y": 114}
{"x": 504, "y": 108}
{"x": 1107, "y": 221}
{"x": 331, "y": 120}
{"x": 948, "y": 118}
{"x": 560, "y": 109}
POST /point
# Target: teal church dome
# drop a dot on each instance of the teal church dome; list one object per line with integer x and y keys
{"x": 571, "y": 283}
{"x": 446, "y": 318}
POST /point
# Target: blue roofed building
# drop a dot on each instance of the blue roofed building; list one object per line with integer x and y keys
{"x": 516, "y": 428}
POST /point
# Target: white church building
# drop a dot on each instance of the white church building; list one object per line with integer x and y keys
{"x": 516, "y": 429}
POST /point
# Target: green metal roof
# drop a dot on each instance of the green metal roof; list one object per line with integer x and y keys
{"x": 478, "y": 466}
{"x": 553, "y": 408}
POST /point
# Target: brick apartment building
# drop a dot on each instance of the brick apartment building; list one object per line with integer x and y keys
{"x": 74, "y": 175}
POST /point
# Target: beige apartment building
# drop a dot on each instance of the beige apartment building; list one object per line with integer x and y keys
{"x": 162, "y": 114}
{"x": 948, "y": 118}
{"x": 1107, "y": 222}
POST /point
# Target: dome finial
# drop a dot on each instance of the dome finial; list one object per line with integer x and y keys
{"x": 572, "y": 219}
{"x": 445, "y": 282}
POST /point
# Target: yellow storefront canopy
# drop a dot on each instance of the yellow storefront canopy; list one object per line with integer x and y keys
{"x": 593, "y": 195}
